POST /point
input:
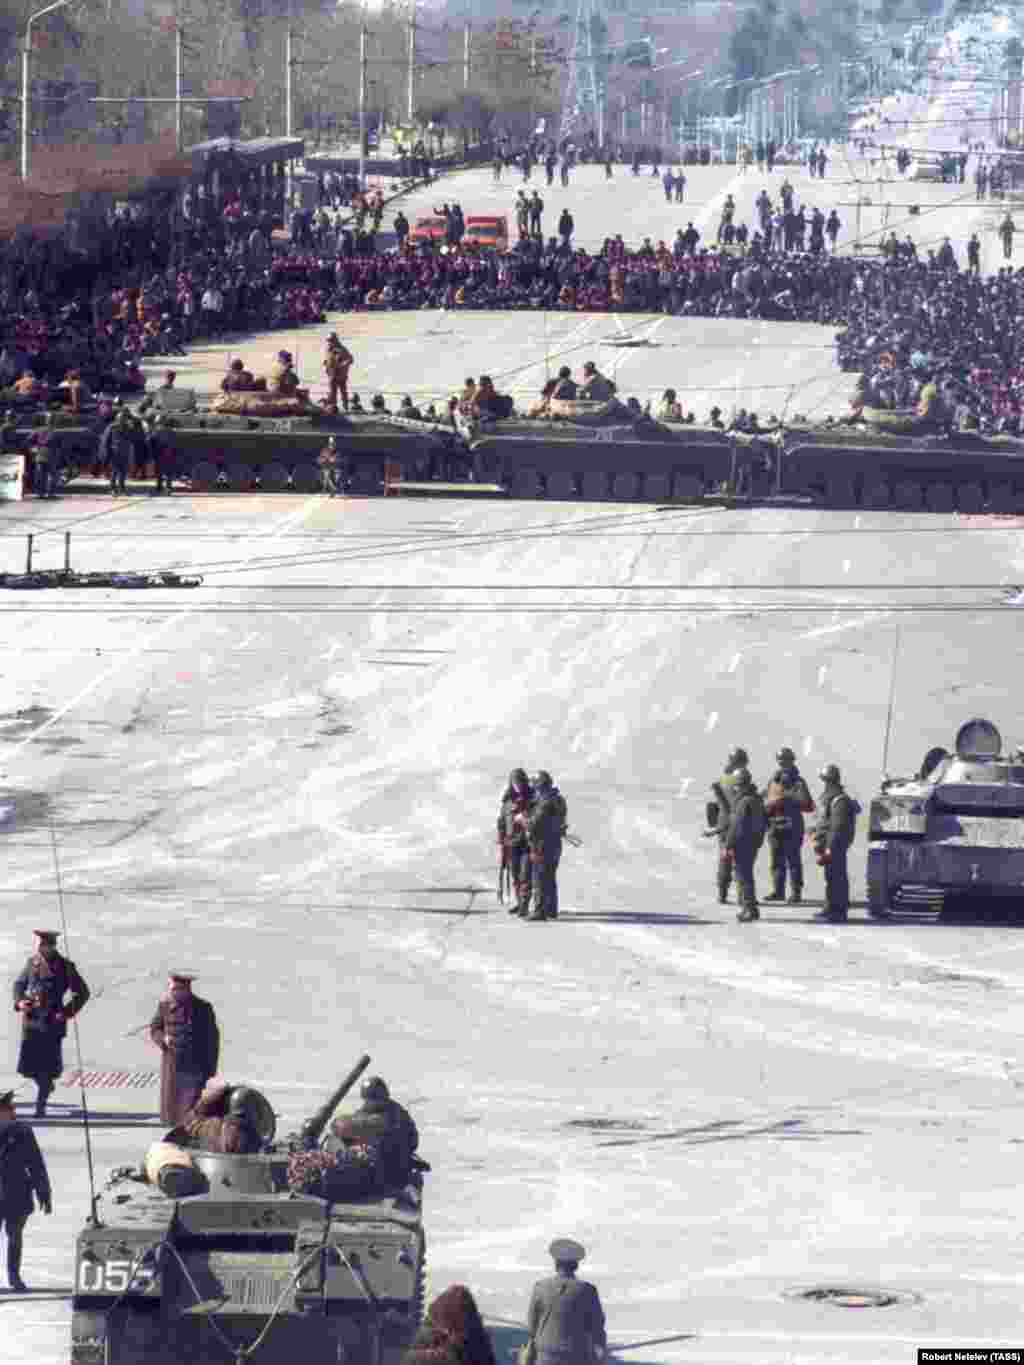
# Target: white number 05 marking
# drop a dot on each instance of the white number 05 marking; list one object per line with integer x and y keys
{"x": 112, "y": 1277}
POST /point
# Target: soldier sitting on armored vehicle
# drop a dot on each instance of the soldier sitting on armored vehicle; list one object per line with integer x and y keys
{"x": 238, "y": 379}
{"x": 382, "y": 1124}
{"x": 283, "y": 379}
{"x": 221, "y": 1120}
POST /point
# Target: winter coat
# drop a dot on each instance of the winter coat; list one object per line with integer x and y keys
{"x": 390, "y": 1129}
{"x": 189, "y": 1055}
{"x": 117, "y": 444}
{"x": 512, "y": 834}
{"x": 748, "y": 821}
{"x": 546, "y": 822}
{"x": 565, "y": 1317}
{"x": 22, "y": 1170}
{"x": 837, "y": 825}
{"x": 787, "y": 800}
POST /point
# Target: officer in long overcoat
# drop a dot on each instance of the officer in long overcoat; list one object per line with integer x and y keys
{"x": 565, "y": 1318}
{"x": 40, "y": 997}
{"x": 22, "y": 1174}
{"x": 184, "y": 1028}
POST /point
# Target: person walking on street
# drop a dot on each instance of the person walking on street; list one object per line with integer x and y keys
{"x": 23, "y": 1174}
{"x": 545, "y": 824}
{"x": 786, "y": 801}
{"x": 513, "y": 843}
{"x": 40, "y": 992}
{"x": 720, "y": 814}
{"x": 1006, "y": 231}
{"x": 833, "y": 835}
{"x": 747, "y": 824}
{"x": 565, "y": 1318}
{"x": 184, "y": 1028}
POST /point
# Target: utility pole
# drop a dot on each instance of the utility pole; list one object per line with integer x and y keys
{"x": 465, "y": 56}
{"x": 289, "y": 205}
{"x": 412, "y": 59}
{"x": 362, "y": 100}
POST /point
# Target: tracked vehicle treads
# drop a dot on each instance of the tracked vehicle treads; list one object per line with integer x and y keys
{"x": 952, "y": 836}
{"x": 218, "y": 1258}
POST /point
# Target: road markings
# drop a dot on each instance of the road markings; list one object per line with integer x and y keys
{"x": 856, "y": 523}
{"x": 336, "y": 647}
{"x": 259, "y": 547}
{"x": 684, "y": 785}
{"x": 712, "y": 721}
{"x": 734, "y": 663}
{"x": 808, "y": 745}
{"x": 822, "y": 671}
{"x": 846, "y": 566}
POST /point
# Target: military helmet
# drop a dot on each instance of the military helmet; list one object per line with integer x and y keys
{"x": 742, "y": 777}
{"x": 785, "y": 755}
{"x": 830, "y": 774}
{"x": 374, "y": 1088}
{"x": 518, "y": 775}
{"x": 738, "y": 758}
{"x": 543, "y": 778}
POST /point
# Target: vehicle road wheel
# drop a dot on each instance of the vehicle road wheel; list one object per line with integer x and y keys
{"x": 306, "y": 478}
{"x": 623, "y": 487}
{"x": 969, "y": 497}
{"x": 907, "y": 495}
{"x": 840, "y": 491}
{"x": 274, "y": 478}
{"x": 939, "y": 497}
{"x": 687, "y": 488}
{"x": 240, "y": 476}
{"x": 204, "y": 477}
{"x": 1000, "y": 497}
{"x": 877, "y": 493}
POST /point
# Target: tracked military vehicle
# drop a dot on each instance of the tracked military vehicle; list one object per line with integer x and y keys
{"x": 952, "y": 836}
{"x": 221, "y": 1258}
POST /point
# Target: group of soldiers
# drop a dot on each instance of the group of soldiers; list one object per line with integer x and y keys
{"x": 532, "y": 824}
{"x": 742, "y": 818}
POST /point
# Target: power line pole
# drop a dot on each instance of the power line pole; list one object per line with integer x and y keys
{"x": 465, "y": 56}
{"x": 362, "y": 100}
{"x": 288, "y": 117}
{"x": 177, "y": 85}
{"x": 412, "y": 59}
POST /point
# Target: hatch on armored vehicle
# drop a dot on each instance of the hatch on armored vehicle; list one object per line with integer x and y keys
{"x": 952, "y": 835}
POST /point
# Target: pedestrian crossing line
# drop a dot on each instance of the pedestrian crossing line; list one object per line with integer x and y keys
{"x": 108, "y": 1080}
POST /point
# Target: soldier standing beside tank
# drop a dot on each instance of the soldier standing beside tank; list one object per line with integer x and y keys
{"x": 545, "y": 826}
{"x": 723, "y": 790}
{"x": 513, "y": 845}
{"x": 833, "y": 835}
{"x": 747, "y": 824}
{"x": 565, "y": 1318}
{"x": 39, "y": 992}
{"x": 22, "y": 1174}
{"x": 786, "y": 801}
{"x": 184, "y": 1028}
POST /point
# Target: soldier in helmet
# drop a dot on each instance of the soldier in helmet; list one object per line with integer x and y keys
{"x": 786, "y": 801}
{"x": 833, "y": 835}
{"x": 384, "y": 1125}
{"x": 513, "y": 845}
{"x": 723, "y": 790}
{"x": 545, "y": 825}
{"x": 747, "y": 825}
{"x": 221, "y": 1119}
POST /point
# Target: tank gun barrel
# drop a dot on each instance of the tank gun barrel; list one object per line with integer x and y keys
{"x": 314, "y": 1127}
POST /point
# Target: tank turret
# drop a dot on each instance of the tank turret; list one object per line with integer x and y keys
{"x": 953, "y": 833}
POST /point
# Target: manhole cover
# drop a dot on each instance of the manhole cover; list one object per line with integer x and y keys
{"x": 847, "y": 1296}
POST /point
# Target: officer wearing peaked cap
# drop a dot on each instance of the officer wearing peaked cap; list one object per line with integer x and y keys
{"x": 185, "y": 1030}
{"x": 565, "y": 1318}
{"x": 40, "y": 997}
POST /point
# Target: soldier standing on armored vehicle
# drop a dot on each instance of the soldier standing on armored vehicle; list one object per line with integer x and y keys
{"x": 545, "y": 827}
{"x": 719, "y": 812}
{"x": 386, "y": 1126}
{"x": 786, "y": 801}
{"x": 747, "y": 825}
{"x": 39, "y": 992}
{"x": 833, "y": 836}
{"x": 512, "y": 841}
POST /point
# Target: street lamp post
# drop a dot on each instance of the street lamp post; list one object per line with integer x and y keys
{"x": 24, "y": 80}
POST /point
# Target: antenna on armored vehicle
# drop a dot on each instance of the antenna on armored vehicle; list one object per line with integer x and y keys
{"x": 94, "y": 1218}
{"x": 892, "y": 697}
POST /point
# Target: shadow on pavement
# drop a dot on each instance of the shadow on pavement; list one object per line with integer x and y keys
{"x": 98, "y": 1118}
{"x": 507, "y": 1340}
{"x": 629, "y": 917}
{"x": 47, "y": 1293}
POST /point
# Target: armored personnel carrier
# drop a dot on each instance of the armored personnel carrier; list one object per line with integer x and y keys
{"x": 951, "y": 836}
{"x": 216, "y": 1258}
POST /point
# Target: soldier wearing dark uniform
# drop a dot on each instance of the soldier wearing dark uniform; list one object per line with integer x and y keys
{"x": 833, "y": 835}
{"x": 184, "y": 1028}
{"x": 221, "y": 1120}
{"x": 384, "y": 1125}
{"x": 786, "y": 801}
{"x": 723, "y": 791}
{"x": 39, "y": 997}
{"x": 545, "y": 827}
{"x": 22, "y": 1174}
{"x": 747, "y": 824}
{"x": 565, "y": 1318}
{"x": 512, "y": 841}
